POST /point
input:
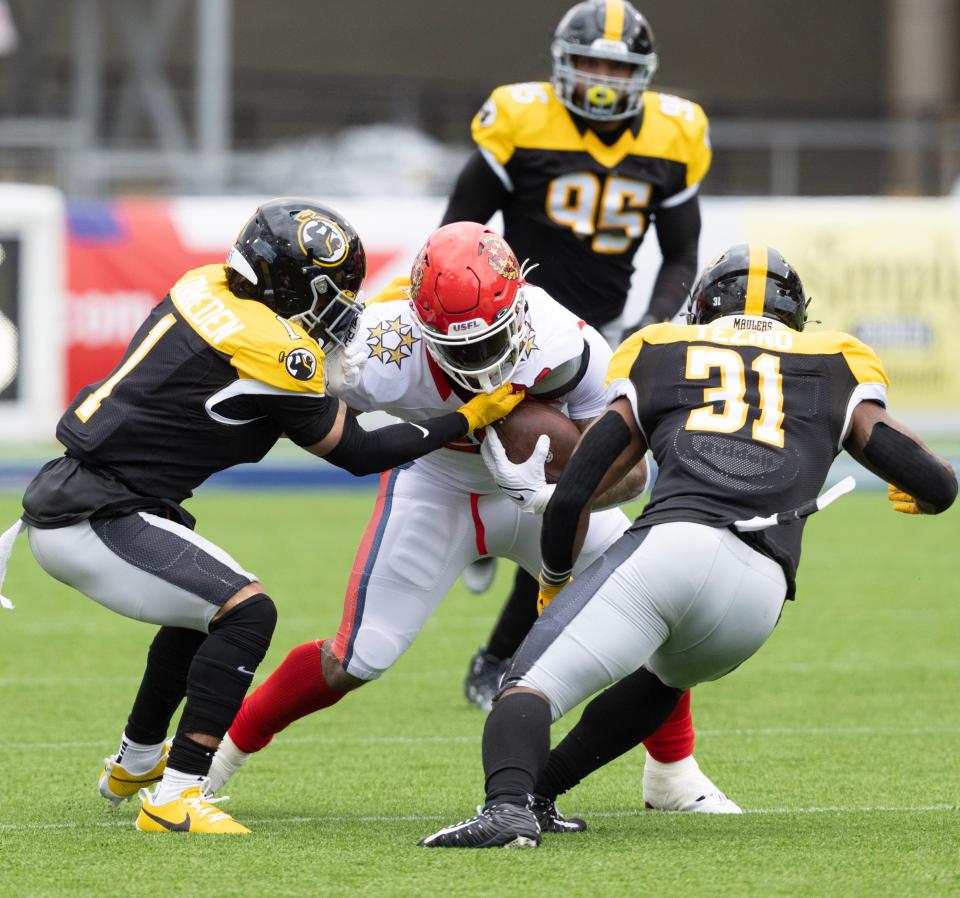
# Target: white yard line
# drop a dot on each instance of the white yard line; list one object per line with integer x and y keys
{"x": 434, "y": 818}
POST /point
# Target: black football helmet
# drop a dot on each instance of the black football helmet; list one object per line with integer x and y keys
{"x": 603, "y": 29}
{"x": 304, "y": 261}
{"x": 749, "y": 279}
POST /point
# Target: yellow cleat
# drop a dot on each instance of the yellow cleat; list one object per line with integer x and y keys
{"x": 117, "y": 784}
{"x": 190, "y": 813}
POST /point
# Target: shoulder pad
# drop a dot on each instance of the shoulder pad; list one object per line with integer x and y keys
{"x": 677, "y": 129}
{"x": 626, "y": 356}
{"x": 516, "y": 114}
{"x": 862, "y": 361}
{"x": 259, "y": 343}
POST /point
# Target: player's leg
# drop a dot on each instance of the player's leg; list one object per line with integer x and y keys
{"x": 672, "y": 779}
{"x": 154, "y": 570}
{"x": 418, "y": 540}
{"x": 735, "y": 616}
{"x": 617, "y": 614}
{"x": 489, "y": 663}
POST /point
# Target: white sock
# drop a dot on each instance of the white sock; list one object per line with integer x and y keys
{"x": 226, "y": 762}
{"x": 173, "y": 785}
{"x": 136, "y": 757}
{"x": 653, "y": 767}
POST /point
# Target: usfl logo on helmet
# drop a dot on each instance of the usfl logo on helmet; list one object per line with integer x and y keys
{"x": 321, "y": 239}
{"x": 500, "y": 257}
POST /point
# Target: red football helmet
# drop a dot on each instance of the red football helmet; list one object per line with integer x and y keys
{"x": 466, "y": 293}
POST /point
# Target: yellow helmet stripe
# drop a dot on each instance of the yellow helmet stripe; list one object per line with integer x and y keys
{"x": 613, "y": 23}
{"x": 756, "y": 280}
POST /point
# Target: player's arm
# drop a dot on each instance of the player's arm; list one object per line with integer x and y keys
{"x": 678, "y": 233}
{"x": 323, "y": 426}
{"x": 477, "y": 194}
{"x": 629, "y": 486}
{"x": 925, "y": 482}
{"x": 606, "y": 452}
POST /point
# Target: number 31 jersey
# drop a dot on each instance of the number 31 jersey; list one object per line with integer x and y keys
{"x": 587, "y": 202}
{"x": 742, "y": 422}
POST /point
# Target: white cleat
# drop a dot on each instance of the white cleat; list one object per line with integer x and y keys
{"x": 226, "y": 762}
{"x": 682, "y": 786}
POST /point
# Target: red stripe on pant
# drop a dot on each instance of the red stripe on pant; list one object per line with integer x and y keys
{"x": 674, "y": 740}
{"x": 478, "y": 523}
{"x": 348, "y": 620}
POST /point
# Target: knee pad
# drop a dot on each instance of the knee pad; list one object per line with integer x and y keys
{"x": 223, "y": 666}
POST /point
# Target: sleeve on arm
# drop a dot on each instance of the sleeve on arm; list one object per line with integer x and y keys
{"x": 478, "y": 193}
{"x": 678, "y": 233}
{"x": 588, "y": 399}
{"x": 305, "y": 418}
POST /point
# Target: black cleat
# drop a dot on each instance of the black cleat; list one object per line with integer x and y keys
{"x": 499, "y": 826}
{"x": 552, "y": 821}
{"x": 483, "y": 678}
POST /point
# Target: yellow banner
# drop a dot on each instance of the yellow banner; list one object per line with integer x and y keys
{"x": 887, "y": 271}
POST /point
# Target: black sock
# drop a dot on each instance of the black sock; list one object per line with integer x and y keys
{"x": 618, "y": 719}
{"x": 164, "y": 683}
{"x": 516, "y": 618}
{"x": 219, "y": 677}
{"x": 516, "y": 742}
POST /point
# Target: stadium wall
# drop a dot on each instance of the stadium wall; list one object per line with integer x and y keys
{"x": 887, "y": 270}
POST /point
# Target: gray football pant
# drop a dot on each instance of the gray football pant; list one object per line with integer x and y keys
{"x": 142, "y": 566}
{"x": 689, "y": 602}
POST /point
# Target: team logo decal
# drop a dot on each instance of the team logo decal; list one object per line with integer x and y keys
{"x": 416, "y": 276}
{"x": 530, "y": 345}
{"x": 301, "y": 364}
{"x": 500, "y": 257}
{"x": 321, "y": 239}
{"x": 487, "y": 114}
{"x": 391, "y": 341}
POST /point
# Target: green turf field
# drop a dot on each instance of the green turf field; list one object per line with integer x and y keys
{"x": 841, "y": 739}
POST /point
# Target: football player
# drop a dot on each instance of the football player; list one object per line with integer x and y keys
{"x": 229, "y": 361}
{"x": 580, "y": 167}
{"x": 744, "y": 413}
{"x": 473, "y": 323}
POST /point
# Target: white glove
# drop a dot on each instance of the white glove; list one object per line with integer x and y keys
{"x": 525, "y": 483}
{"x": 344, "y": 365}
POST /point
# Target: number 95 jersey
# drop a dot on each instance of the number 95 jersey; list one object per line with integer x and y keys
{"x": 575, "y": 197}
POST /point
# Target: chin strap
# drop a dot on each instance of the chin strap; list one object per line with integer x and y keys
{"x": 7, "y": 539}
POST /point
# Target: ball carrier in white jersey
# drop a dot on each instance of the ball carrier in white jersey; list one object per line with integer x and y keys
{"x": 472, "y": 325}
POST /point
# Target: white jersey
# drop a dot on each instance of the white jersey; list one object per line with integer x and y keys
{"x": 565, "y": 362}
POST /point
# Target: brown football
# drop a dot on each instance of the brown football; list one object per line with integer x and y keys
{"x": 520, "y": 430}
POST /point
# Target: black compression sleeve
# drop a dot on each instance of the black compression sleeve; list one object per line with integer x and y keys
{"x": 477, "y": 194}
{"x": 597, "y": 451}
{"x": 910, "y": 467}
{"x": 678, "y": 233}
{"x": 371, "y": 451}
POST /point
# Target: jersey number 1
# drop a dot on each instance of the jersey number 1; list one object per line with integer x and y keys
{"x": 703, "y": 360}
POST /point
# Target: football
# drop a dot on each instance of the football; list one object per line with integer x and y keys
{"x": 520, "y": 430}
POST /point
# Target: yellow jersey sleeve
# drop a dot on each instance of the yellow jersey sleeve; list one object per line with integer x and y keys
{"x": 625, "y": 358}
{"x": 678, "y": 129}
{"x": 863, "y": 362}
{"x": 398, "y": 288}
{"x": 493, "y": 127}
{"x": 280, "y": 361}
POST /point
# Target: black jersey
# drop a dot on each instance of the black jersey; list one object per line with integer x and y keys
{"x": 742, "y": 422}
{"x": 208, "y": 381}
{"x": 576, "y": 197}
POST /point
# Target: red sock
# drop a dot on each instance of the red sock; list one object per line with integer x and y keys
{"x": 294, "y": 690}
{"x": 674, "y": 740}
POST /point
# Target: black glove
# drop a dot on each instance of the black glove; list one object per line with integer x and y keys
{"x": 642, "y": 323}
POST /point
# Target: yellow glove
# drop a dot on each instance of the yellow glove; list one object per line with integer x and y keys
{"x": 548, "y": 592}
{"x": 902, "y": 502}
{"x": 485, "y": 408}
{"x": 398, "y": 288}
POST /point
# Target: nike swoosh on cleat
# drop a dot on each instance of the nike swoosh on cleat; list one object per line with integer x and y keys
{"x": 183, "y": 827}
